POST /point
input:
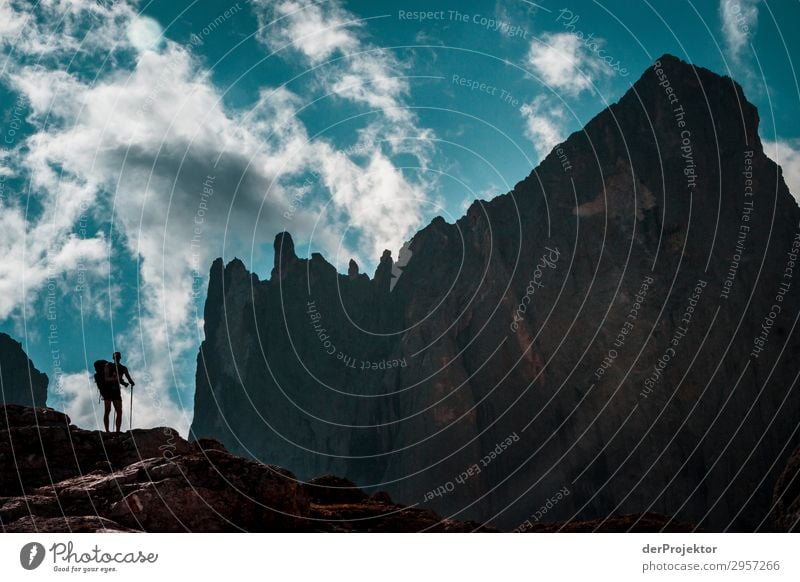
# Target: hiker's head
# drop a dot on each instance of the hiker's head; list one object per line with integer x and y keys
{"x": 117, "y": 357}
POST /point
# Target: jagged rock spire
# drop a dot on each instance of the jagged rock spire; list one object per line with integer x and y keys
{"x": 352, "y": 269}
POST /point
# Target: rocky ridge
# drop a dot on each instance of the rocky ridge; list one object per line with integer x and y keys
{"x": 56, "y": 477}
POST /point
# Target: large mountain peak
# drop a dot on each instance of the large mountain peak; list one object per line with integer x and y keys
{"x": 601, "y": 326}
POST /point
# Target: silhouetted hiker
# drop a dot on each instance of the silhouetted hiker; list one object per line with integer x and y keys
{"x": 115, "y": 375}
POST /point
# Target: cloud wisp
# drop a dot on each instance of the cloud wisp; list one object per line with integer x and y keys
{"x": 739, "y": 22}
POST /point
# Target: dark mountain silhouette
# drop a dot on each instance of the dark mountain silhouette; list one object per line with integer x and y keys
{"x": 620, "y": 326}
{"x": 20, "y": 381}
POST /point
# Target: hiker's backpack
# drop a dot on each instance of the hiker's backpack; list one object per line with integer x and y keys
{"x": 100, "y": 374}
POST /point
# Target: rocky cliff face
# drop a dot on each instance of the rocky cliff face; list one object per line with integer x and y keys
{"x": 615, "y": 335}
{"x": 20, "y": 381}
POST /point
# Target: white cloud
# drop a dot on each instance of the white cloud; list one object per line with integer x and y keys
{"x": 786, "y": 153}
{"x": 56, "y": 27}
{"x": 43, "y": 90}
{"x": 11, "y": 23}
{"x": 544, "y": 123}
{"x": 375, "y": 197}
{"x": 562, "y": 62}
{"x": 32, "y": 256}
{"x": 358, "y": 71}
{"x": 317, "y": 30}
{"x": 145, "y": 34}
{"x": 739, "y": 21}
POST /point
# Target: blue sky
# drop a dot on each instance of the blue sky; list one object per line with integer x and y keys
{"x": 143, "y": 139}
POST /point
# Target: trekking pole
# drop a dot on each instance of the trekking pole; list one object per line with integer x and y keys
{"x": 130, "y": 427}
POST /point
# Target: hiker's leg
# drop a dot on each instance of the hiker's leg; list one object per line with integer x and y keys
{"x": 118, "y": 413}
{"x": 107, "y": 404}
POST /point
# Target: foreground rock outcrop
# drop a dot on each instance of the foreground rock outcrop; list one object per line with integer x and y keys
{"x": 20, "y": 381}
{"x": 623, "y": 319}
{"x": 55, "y": 477}
{"x": 786, "y": 501}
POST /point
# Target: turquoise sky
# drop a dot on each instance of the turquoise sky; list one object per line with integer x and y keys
{"x": 144, "y": 139}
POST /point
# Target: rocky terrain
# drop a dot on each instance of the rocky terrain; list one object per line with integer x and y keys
{"x": 20, "y": 381}
{"x": 786, "y": 503}
{"x": 623, "y": 319}
{"x": 56, "y": 477}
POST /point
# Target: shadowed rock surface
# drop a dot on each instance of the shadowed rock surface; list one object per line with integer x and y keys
{"x": 612, "y": 312}
{"x": 55, "y": 477}
{"x": 20, "y": 381}
{"x": 153, "y": 480}
{"x": 787, "y": 496}
{"x": 636, "y": 523}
